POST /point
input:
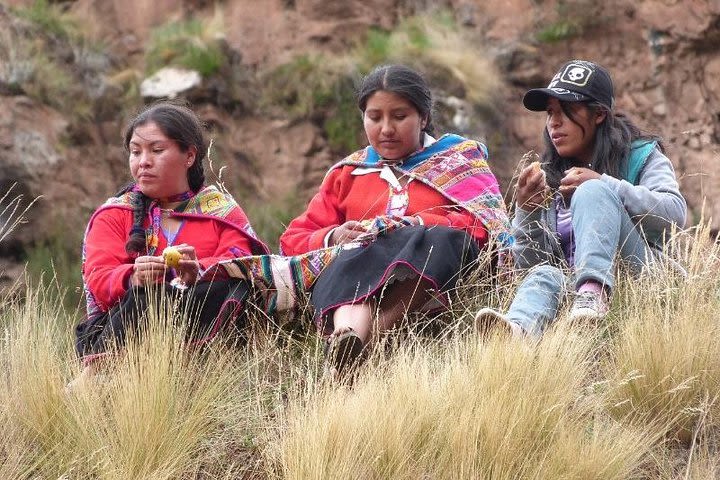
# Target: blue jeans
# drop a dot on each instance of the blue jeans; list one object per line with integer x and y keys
{"x": 602, "y": 228}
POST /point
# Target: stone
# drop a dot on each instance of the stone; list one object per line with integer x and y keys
{"x": 169, "y": 82}
{"x": 460, "y": 117}
{"x": 660, "y": 109}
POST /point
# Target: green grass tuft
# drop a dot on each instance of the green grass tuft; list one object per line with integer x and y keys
{"x": 49, "y": 18}
{"x": 193, "y": 44}
{"x": 572, "y": 19}
{"x": 559, "y": 31}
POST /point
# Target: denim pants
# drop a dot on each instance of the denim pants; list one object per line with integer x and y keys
{"x": 602, "y": 228}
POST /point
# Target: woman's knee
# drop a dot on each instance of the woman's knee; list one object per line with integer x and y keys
{"x": 546, "y": 274}
{"x": 592, "y": 192}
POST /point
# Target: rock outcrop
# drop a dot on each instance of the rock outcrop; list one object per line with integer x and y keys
{"x": 664, "y": 57}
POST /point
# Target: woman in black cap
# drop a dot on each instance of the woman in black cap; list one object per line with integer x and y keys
{"x": 603, "y": 187}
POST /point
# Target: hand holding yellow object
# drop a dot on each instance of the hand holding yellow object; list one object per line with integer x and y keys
{"x": 171, "y": 256}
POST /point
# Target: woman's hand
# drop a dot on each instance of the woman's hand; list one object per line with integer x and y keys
{"x": 189, "y": 267}
{"x": 384, "y": 223}
{"x": 347, "y": 232}
{"x": 532, "y": 190}
{"x": 147, "y": 270}
{"x": 573, "y": 178}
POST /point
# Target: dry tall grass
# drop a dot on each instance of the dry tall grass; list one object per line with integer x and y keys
{"x": 636, "y": 401}
{"x": 664, "y": 363}
{"x": 464, "y": 409}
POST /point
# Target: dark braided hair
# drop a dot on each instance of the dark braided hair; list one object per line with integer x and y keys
{"x": 402, "y": 81}
{"x": 181, "y": 125}
{"x": 611, "y": 148}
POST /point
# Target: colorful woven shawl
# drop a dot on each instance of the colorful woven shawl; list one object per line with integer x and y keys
{"x": 282, "y": 281}
{"x": 208, "y": 202}
{"x": 458, "y": 169}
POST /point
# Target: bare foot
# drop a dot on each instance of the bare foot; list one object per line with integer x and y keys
{"x": 86, "y": 376}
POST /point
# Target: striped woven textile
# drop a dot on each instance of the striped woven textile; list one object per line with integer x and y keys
{"x": 280, "y": 280}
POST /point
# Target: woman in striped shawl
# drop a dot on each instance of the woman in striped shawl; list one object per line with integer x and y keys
{"x": 418, "y": 210}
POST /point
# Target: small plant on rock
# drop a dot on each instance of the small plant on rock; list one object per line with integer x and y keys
{"x": 193, "y": 44}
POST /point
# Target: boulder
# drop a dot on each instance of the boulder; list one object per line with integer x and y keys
{"x": 30, "y": 134}
{"x": 169, "y": 82}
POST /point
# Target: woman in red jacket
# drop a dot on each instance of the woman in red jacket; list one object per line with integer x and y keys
{"x": 410, "y": 211}
{"x": 166, "y": 205}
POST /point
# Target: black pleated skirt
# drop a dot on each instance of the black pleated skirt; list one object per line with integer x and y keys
{"x": 206, "y": 308}
{"x": 436, "y": 254}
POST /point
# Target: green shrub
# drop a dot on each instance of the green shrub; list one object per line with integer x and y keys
{"x": 193, "y": 44}
{"x": 342, "y": 125}
{"x": 558, "y": 31}
{"x": 318, "y": 88}
{"x": 50, "y": 80}
{"x": 572, "y": 19}
{"x": 298, "y": 87}
{"x": 49, "y": 18}
{"x": 376, "y": 49}
{"x": 34, "y": 59}
{"x": 57, "y": 261}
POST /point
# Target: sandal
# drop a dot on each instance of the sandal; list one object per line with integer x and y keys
{"x": 344, "y": 352}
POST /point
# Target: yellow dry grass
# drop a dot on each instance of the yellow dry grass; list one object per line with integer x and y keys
{"x": 665, "y": 358}
{"x": 635, "y": 400}
{"x": 464, "y": 409}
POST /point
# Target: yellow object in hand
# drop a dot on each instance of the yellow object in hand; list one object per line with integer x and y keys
{"x": 171, "y": 256}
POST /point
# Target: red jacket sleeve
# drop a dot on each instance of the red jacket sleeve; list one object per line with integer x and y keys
{"x": 107, "y": 267}
{"x": 213, "y": 241}
{"x": 307, "y": 232}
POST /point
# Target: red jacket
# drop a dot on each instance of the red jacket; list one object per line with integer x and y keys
{"x": 108, "y": 267}
{"x": 344, "y": 197}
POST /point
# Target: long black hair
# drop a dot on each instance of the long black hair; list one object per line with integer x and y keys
{"x": 402, "y": 81}
{"x": 611, "y": 147}
{"x": 181, "y": 125}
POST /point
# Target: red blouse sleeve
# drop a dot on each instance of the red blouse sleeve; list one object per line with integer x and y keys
{"x": 307, "y": 232}
{"x": 107, "y": 267}
{"x": 227, "y": 242}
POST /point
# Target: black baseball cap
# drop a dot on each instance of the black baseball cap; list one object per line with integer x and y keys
{"x": 576, "y": 81}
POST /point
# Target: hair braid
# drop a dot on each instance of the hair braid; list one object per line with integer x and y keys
{"x": 136, "y": 242}
{"x": 181, "y": 125}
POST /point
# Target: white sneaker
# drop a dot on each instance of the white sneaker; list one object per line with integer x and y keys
{"x": 588, "y": 307}
{"x": 489, "y": 320}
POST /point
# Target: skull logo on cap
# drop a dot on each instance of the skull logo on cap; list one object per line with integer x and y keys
{"x": 576, "y": 74}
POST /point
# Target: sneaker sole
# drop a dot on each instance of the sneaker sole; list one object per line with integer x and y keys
{"x": 488, "y": 321}
{"x": 585, "y": 317}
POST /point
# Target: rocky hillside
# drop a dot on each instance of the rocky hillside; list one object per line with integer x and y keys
{"x": 275, "y": 80}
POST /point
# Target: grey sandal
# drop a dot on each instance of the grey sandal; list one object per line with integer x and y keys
{"x": 345, "y": 352}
